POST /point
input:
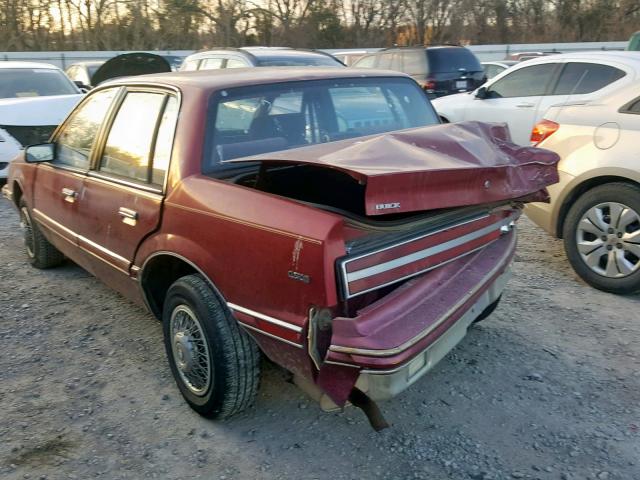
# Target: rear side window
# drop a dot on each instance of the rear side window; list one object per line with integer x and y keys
{"x": 525, "y": 82}
{"x": 190, "y": 65}
{"x": 384, "y": 61}
{"x": 127, "y": 152}
{"x": 415, "y": 62}
{"x": 633, "y": 107}
{"x": 255, "y": 120}
{"x": 366, "y": 62}
{"x": 580, "y": 78}
{"x": 452, "y": 60}
{"x": 74, "y": 142}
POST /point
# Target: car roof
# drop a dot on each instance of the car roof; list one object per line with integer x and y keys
{"x": 622, "y": 56}
{"x": 91, "y": 63}
{"x": 239, "y": 77}
{"x": 12, "y": 64}
{"x": 262, "y": 52}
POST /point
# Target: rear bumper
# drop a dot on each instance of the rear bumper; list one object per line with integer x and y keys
{"x": 386, "y": 384}
{"x": 423, "y": 320}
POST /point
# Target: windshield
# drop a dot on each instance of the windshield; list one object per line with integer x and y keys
{"x": 34, "y": 82}
{"x": 299, "y": 61}
{"x": 452, "y": 60}
{"x": 254, "y": 120}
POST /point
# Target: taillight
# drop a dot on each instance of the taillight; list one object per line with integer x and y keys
{"x": 429, "y": 84}
{"x": 543, "y": 130}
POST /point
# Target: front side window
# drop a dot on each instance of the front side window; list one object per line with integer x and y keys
{"x": 254, "y": 120}
{"x": 127, "y": 152}
{"x": 525, "y": 82}
{"x": 580, "y": 78}
{"x": 74, "y": 143}
{"x": 34, "y": 82}
{"x": 235, "y": 63}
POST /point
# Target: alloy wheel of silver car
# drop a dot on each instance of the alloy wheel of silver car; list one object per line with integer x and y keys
{"x": 27, "y": 228}
{"x": 190, "y": 350}
{"x": 608, "y": 239}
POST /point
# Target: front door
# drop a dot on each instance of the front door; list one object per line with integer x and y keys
{"x": 58, "y": 185}
{"x": 123, "y": 193}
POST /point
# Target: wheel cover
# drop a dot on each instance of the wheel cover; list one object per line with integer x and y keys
{"x": 608, "y": 239}
{"x": 27, "y": 229}
{"x": 190, "y": 350}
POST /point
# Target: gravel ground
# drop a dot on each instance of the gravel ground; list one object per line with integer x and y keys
{"x": 547, "y": 388}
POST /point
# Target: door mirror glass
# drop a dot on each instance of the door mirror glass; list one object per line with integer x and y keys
{"x": 481, "y": 93}
{"x": 44, "y": 152}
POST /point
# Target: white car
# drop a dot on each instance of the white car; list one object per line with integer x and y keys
{"x": 522, "y": 94}
{"x": 34, "y": 99}
{"x": 492, "y": 69}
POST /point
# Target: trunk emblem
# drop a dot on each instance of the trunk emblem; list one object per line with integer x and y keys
{"x": 387, "y": 206}
{"x": 300, "y": 277}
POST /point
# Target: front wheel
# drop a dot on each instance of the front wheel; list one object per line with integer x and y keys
{"x": 41, "y": 253}
{"x": 602, "y": 237}
{"x": 215, "y": 363}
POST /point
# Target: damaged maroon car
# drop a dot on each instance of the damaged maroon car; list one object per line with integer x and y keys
{"x": 324, "y": 218}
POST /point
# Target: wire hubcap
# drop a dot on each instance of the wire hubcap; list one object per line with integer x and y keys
{"x": 190, "y": 350}
{"x": 608, "y": 239}
{"x": 25, "y": 224}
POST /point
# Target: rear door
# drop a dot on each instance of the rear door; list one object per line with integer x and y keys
{"x": 58, "y": 186}
{"x": 123, "y": 192}
{"x": 578, "y": 81}
{"x": 515, "y": 99}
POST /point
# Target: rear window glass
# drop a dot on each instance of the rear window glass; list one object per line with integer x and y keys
{"x": 254, "y": 120}
{"x": 452, "y": 60}
{"x": 299, "y": 61}
{"x": 580, "y": 78}
{"x": 34, "y": 82}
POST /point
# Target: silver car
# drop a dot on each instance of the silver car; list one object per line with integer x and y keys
{"x": 595, "y": 207}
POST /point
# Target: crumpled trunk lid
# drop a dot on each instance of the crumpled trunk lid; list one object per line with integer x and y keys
{"x": 428, "y": 168}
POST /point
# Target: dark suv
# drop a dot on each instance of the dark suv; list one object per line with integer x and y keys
{"x": 439, "y": 70}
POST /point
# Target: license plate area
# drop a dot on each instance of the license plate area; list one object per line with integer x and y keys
{"x": 462, "y": 84}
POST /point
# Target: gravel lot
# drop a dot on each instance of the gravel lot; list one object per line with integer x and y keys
{"x": 546, "y": 388}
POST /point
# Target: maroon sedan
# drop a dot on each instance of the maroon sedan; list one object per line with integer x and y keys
{"x": 322, "y": 217}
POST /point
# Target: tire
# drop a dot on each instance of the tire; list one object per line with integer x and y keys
{"x": 602, "y": 237}
{"x": 215, "y": 340}
{"x": 488, "y": 311}
{"x": 41, "y": 253}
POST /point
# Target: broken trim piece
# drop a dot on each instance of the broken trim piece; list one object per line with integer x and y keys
{"x": 266, "y": 318}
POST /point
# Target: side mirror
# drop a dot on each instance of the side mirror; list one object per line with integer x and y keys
{"x": 481, "y": 93}
{"x": 44, "y": 152}
{"x": 84, "y": 88}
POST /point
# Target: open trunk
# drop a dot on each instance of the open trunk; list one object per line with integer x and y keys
{"x": 416, "y": 170}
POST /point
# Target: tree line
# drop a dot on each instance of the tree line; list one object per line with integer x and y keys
{"x": 33, "y": 25}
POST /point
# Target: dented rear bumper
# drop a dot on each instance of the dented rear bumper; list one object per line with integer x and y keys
{"x": 395, "y": 341}
{"x": 386, "y": 384}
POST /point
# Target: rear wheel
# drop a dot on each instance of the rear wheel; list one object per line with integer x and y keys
{"x": 215, "y": 363}
{"x": 602, "y": 237}
{"x": 41, "y": 253}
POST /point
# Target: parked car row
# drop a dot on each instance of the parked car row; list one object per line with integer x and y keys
{"x": 586, "y": 108}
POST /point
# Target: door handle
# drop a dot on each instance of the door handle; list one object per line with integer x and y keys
{"x": 69, "y": 195}
{"x": 525, "y": 105}
{"x": 130, "y": 217}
